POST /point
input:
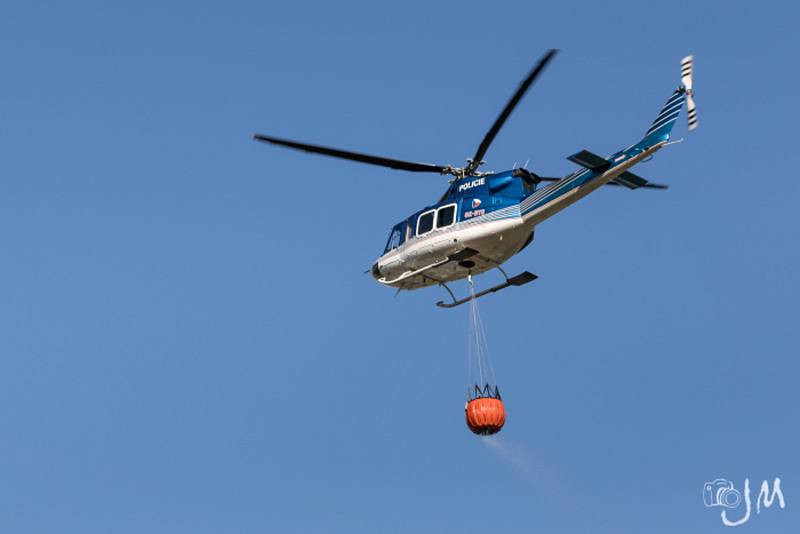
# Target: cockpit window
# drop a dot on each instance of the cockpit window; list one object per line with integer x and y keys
{"x": 395, "y": 238}
{"x": 425, "y": 223}
{"x": 446, "y": 216}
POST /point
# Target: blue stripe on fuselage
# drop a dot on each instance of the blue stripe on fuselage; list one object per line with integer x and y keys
{"x": 556, "y": 190}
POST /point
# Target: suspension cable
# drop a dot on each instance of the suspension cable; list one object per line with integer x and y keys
{"x": 480, "y": 371}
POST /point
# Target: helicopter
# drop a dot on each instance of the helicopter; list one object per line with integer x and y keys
{"x": 485, "y": 218}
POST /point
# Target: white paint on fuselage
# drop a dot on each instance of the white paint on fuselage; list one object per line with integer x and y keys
{"x": 495, "y": 240}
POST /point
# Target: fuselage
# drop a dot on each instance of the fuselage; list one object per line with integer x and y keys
{"x": 492, "y": 217}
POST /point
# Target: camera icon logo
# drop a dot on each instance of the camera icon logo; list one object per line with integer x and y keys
{"x": 720, "y": 492}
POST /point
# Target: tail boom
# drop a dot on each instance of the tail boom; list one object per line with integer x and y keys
{"x": 598, "y": 171}
{"x": 552, "y": 199}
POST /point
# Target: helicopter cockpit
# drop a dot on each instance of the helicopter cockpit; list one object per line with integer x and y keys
{"x": 397, "y": 237}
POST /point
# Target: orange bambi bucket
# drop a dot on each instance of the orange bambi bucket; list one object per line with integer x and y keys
{"x": 485, "y": 415}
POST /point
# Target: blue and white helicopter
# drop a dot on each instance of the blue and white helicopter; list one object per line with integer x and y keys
{"x": 484, "y": 218}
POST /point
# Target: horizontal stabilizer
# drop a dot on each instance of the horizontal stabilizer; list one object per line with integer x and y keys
{"x": 633, "y": 181}
{"x": 647, "y": 185}
{"x": 630, "y": 180}
{"x": 593, "y": 162}
{"x": 597, "y": 164}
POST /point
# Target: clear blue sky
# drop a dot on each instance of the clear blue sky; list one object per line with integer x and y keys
{"x": 189, "y": 343}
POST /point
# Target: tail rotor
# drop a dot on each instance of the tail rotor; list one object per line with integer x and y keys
{"x": 686, "y": 80}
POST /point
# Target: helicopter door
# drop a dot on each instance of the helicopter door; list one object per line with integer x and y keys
{"x": 425, "y": 222}
{"x": 446, "y": 216}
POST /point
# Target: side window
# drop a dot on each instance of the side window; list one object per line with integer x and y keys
{"x": 446, "y": 216}
{"x": 425, "y": 223}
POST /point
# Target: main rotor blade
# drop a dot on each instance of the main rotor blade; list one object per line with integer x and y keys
{"x": 501, "y": 119}
{"x": 354, "y": 156}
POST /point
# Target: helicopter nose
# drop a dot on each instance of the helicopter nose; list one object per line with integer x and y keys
{"x": 376, "y": 272}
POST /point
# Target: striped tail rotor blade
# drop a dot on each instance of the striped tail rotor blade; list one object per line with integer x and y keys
{"x": 691, "y": 112}
{"x": 686, "y": 79}
{"x": 686, "y": 72}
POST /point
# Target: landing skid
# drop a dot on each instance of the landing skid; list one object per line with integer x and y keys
{"x": 519, "y": 280}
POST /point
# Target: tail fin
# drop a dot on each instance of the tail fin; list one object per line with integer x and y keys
{"x": 660, "y": 129}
